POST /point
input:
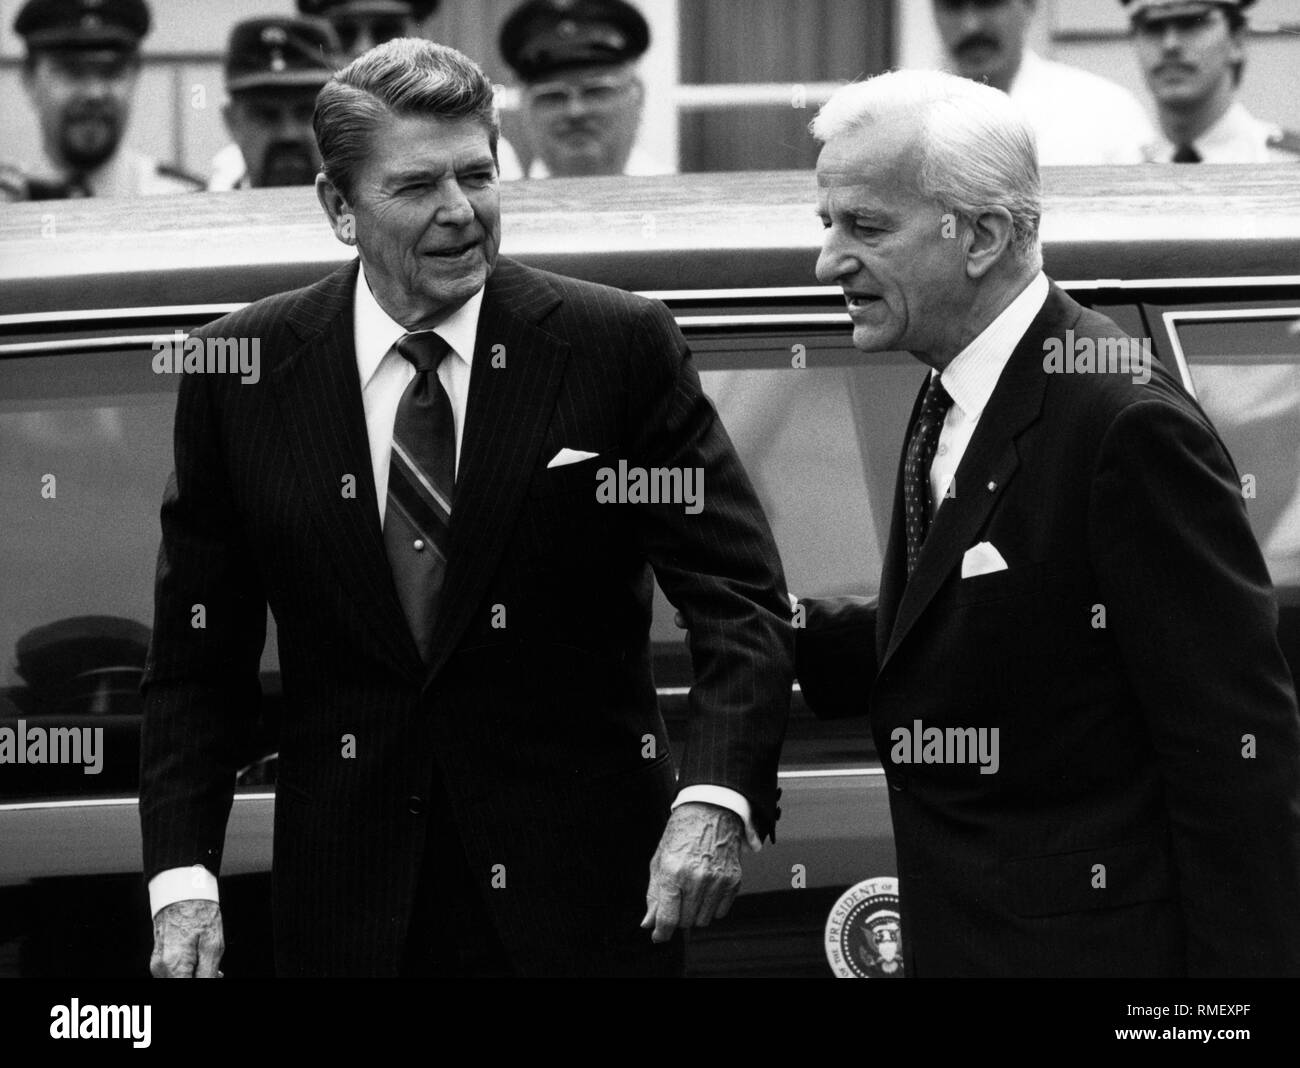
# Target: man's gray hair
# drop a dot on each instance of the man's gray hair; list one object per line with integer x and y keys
{"x": 404, "y": 76}
{"x": 977, "y": 149}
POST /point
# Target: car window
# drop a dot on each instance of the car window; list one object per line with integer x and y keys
{"x": 819, "y": 428}
{"x": 1243, "y": 365}
{"x": 85, "y": 451}
{"x": 86, "y": 448}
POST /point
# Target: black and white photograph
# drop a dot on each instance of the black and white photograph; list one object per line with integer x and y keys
{"x": 614, "y": 489}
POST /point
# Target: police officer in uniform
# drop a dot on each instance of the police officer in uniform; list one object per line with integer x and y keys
{"x": 1192, "y": 53}
{"x": 362, "y": 24}
{"x": 1078, "y": 117}
{"x": 274, "y": 68}
{"x": 80, "y": 72}
{"x": 582, "y": 97}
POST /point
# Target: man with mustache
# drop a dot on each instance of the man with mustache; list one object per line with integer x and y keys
{"x": 362, "y": 24}
{"x": 274, "y": 68}
{"x": 1077, "y": 116}
{"x": 80, "y": 71}
{"x": 358, "y": 26}
{"x": 1192, "y": 54}
{"x": 582, "y": 97}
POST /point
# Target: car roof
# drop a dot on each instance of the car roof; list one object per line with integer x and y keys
{"x": 680, "y": 232}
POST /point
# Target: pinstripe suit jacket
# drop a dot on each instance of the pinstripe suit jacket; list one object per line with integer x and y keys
{"x": 539, "y": 728}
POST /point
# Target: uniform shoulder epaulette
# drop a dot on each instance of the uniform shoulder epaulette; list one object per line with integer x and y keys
{"x": 1285, "y": 140}
{"x": 168, "y": 170}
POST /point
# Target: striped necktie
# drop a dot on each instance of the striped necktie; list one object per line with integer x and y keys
{"x": 916, "y": 470}
{"x": 421, "y": 477}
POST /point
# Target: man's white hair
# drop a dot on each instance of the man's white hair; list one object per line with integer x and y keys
{"x": 977, "y": 149}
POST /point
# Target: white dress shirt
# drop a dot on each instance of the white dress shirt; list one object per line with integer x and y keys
{"x": 384, "y": 374}
{"x": 970, "y": 379}
{"x": 639, "y": 162}
{"x": 384, "y": 377}
{"x": 1079, "y": 117}
{"x": 1238, "y": 137}
{"x": 126, "y": 173}
{"x": 228, "y": 170}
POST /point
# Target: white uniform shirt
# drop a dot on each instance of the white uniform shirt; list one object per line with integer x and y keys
{"x": 639, "y": 162}
{"x": 228, "y": 170}
{"x": 126, "y": 174}
{"x": 1238, "y": 137}
{"x": 1079, "y": 117}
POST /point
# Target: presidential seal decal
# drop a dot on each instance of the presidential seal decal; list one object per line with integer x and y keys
{"x": 864, "y": 935}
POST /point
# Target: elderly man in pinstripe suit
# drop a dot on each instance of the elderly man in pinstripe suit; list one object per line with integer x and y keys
{"x": 474, "y": 774}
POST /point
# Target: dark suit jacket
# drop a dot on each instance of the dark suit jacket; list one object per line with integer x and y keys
{"x": 1121, "y": 737}
{"x": 540, "y": 728}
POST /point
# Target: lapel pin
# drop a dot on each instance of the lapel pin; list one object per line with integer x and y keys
{"x": 992, "y": 486}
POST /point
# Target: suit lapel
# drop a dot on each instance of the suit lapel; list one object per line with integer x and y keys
{"x": 989, "y": 464}
{"x": 319, "y": 392}
{"x": 505, "y": 422}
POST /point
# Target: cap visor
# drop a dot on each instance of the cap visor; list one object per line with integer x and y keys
{"x": 284, "y": 79}
{"x": 75, "y": 37}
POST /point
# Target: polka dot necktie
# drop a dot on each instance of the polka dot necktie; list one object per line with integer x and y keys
{"x": 421, "y": 478}
{"x": 916, "y": 470}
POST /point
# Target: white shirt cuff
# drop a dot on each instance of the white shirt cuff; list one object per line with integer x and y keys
{"x": 181, "y": 884}
{"x": 723, "y": 797}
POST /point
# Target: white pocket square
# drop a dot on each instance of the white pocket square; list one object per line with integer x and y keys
{"x": 570, "y": 456}
{"x": 982, "y": 559}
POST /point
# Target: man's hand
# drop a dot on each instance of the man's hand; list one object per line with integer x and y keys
{"x": 187, "y": 941}
{"x": 695, "y": 873}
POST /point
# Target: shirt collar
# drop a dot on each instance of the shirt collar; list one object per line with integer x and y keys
{"x": 974, "y": 372}
{"x": 114, "y": 177}
{"x": 375, "y": 332}
{"x": 110, "y": 178}
{"x": 1233, "y": 125}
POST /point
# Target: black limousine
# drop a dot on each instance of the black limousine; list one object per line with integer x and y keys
{"x": 1205, "y": 265}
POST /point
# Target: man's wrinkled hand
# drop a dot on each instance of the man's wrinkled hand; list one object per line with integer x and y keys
{"x": 695, "y": 873}
{"x": 187, "y": 941}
